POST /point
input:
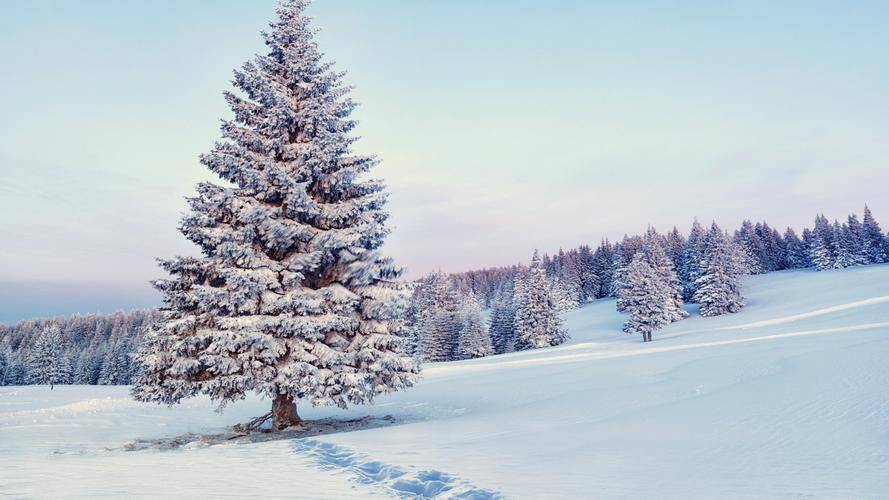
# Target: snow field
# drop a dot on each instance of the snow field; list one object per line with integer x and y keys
{"x": 787, "y": 399}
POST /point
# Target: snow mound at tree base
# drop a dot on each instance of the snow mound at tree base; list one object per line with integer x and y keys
{"x": 308, "y": 428}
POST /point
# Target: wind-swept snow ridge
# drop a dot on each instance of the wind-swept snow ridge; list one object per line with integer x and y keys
{"x": 422, "y": 484}
{"x": 811, "y": 314}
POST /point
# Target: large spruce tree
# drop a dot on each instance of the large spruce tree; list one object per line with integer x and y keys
{"x": 291, "y": 298}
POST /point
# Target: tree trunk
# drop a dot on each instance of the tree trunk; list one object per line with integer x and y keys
{"x": 284, "y": 412}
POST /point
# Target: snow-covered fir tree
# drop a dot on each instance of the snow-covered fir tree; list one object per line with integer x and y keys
{"x": 590, "y": 282}
{"x": 474, "y": 339}
{"x": 645, "y": 298}
{"x": 822, "y": 244}
{"x": 751, "y": 246}
{"x": 116, "y": 367}
{"x": 291, "y": 298}
{"x": 623, "y": 255}
{"x": 537, "y": 321}
{"x": 873, "y": 243}
{"x": 5, "y": 358}
{"x": 845, "y": 247}
{"x": 439, "y": 322}
{"x": 604, "y": 265}
{"x": 413, "y": 315}
{"x": 502, "y": 325}
{"x": 797, "y": 251}
{"x": 719, "y": 286}
{"x": 565, "y": 295}
{"x": 689, "y": 272}
{"x": 657, "y": 258}
{"x": 48, "y": 364}
{"x": 16, "y": 373}
{"x": 674, "y": 246}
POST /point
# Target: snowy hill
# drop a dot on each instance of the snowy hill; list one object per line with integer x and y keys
{"x": 787, "y": 399}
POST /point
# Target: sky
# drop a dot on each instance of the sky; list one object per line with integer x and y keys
{"x": 502, "y": 126}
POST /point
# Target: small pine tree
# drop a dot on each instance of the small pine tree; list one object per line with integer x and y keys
{"x": 5, "y": 358}
{"x": 624, "y": 253}
{"x": 690, "y": 271}
{"x": 873, "y": 243}
{"x": 657, "y": 258}
{"x": 822, "y": 244}
{"x": 845, "y": 247}
{"x": 16, "y": 372}
{"x": 564, "y": 295}
{"x": 797, "y": 252}
{"x": 719, "y": 286}
{"x": 590, "y": 281}
{"x": 645, "y": 299}
{"x": 474, "y": 339}
{"x": 439, "y": 323}
{"x": 537, "y": 322}
{"x": 502, "y": 327}
{"x": 603, "y": 267}
{"x": 48, "y": 364}
{"x": 752, "y": 248}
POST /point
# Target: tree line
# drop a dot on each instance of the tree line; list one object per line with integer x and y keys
{"x": 82, "y": 349}
{"x": 651, "y": 275}
{"x": 498, "y": 310}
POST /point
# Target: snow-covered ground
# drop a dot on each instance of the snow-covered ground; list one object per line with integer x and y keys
{"x": 787, "y": 399}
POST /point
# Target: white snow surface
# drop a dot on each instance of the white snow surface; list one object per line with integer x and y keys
{"x": 787, "y": 399}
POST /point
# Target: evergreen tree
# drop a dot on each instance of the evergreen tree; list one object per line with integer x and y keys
{"x": 439, "y": 323}
{"x": 797, "y": 251}
{"x": 5, "y": 358}
{"x": 48, "y": 364}
{"x": 16, "y": 373}
{"x": 603, "y": 259}
{"x": 690, "y": 271}
{"x": 115, "y": 365}
{"x": 751, "y": 248}
{"x": 564, "y": 295}
{"x": 645, "y": 299}
{"x": 537, "y": 322}
{"x": 674, "y": 246}
{"x": 502, "y": 327}
{"x": 873, "y": 243}
{"x": 663, "y": 267}
{"x": 590, "y": 283}
{"x": 719, "y": 286}
{"x": 845, "y": 247}
{"x": 822, "y": 244}
{"x": 474, "y": 339}
{"x": 291, "y": 298}
{"x": 624, "y": 253}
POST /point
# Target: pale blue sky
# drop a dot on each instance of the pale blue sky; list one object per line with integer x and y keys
{"x": 502, "y": 125}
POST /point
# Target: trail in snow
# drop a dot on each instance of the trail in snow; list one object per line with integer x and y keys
{"x": 420, "y": 484}
{"x": 641, "y": 351}
{"x": 807, "y": 315}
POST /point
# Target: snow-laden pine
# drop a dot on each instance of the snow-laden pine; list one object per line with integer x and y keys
{"x": 438, "y": 323}
{"x": 718, "y": 289}
{"x": 474, "y": 339}
{"x": 537, "y": 321}
{"x": 645, "y": 298}
{"x": 48, "y": 364}
{"x": 873, "y": 243}
{"x": 291, "y": 297}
